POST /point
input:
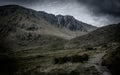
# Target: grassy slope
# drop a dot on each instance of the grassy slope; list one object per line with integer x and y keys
{"x": 102, "y": 36}
{"x": 42, "y": 63}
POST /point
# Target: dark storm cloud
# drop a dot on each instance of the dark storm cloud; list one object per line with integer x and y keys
{"x": 96, "y": 12}
{"x": 28, "y": 2}
{"x": 21, "y": 2}
{"x": 111, "y": 7}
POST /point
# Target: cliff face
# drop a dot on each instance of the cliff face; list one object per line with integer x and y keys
{"x": 72, "y": 24}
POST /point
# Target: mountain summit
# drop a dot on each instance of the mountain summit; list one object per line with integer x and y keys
{"x": 72, "y": 24}
{"x": 63, "y": 26}
{"x": 27, "y": 28}
{"x": 37, "y": 43}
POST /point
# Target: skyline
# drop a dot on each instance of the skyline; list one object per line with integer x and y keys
{"x": 91, "y": 12}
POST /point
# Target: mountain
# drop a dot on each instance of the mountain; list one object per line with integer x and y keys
{"x": 21, "y": 30}
{"x": 102, "y": 36}
{"x": 62, "y": 26}
{"x": 68, "y": 22}
{"x": 28, "y": 28}
{"x": 37, "y": 43}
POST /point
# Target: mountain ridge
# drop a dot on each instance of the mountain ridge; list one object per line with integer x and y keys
{"x": 42, "y": 22}
{"x": 53, "y": 19}
{"x": 34, "y": 42}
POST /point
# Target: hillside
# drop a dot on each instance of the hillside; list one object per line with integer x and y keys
{"x": 37, "y": 43}
{"x": 27, "y": 28}
{"x": 41, "y": 22}
{"x": 21, "y": 30}
{"x": 103, "y": 36}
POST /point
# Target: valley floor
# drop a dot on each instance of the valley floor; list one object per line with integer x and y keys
{"x": 37, "y": 62}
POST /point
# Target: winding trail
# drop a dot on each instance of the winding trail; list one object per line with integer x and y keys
{"x": 96, "y": 62}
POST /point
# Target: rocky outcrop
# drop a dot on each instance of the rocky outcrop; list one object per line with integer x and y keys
{"x": 26, "y": 27}
{"x": 72, "y": 24}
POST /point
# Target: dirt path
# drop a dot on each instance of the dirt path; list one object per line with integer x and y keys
{"x": 96, "y": 61}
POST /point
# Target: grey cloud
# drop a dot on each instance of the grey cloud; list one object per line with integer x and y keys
{"x": 96, "y": 12}
{"x": 99, "y": 6}
{"x": 111, "y": 7}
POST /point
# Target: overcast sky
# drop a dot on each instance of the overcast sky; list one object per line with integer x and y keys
{"x": 95, "y": 12}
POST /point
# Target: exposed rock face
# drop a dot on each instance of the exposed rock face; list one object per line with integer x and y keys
{"x": 67, "y": 21}
{"x": 26, "y": 27}
{"x": 30, "y": 20}
{"x": 71, "y": 23}
{"x": 21, "y": 28}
